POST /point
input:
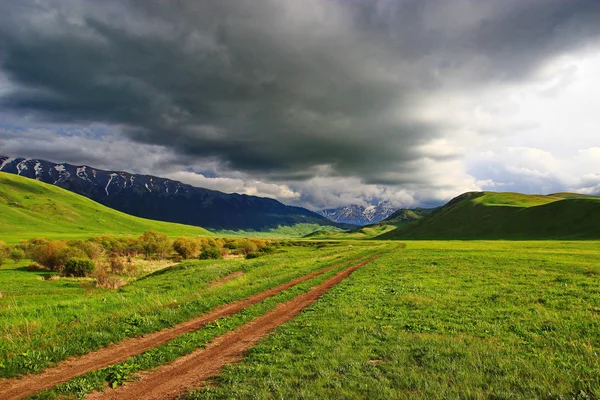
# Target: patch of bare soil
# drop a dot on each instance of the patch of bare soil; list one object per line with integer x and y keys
{"x": 189, "y": 372}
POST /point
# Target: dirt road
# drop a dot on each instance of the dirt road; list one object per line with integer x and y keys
{"x": 188, "y": 372}
{"x": 14, "y": 388}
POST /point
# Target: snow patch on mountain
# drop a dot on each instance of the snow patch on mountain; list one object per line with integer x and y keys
{"x": 7, "y": 161}
{"x": 359, "y": 215}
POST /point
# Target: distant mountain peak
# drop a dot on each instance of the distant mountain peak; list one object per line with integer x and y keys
{"x": 358, "y": 214}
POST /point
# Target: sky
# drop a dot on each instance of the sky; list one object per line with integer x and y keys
{"x": 317, "y": 103}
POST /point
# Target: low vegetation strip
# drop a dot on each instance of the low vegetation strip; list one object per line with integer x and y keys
{"x": 18, "y": 388}
{"x": 190, "y": 371}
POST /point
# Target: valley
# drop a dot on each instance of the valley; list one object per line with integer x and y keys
{"x": 167, "y": 310}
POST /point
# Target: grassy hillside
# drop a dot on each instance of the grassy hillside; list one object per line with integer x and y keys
{"x": 29, "y": 208}
{"x": 366, "y": 232}
{"x": 489, "y": 215}
{"x": 399, "y": 218}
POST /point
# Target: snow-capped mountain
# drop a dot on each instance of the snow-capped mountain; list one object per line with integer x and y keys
{"x": 359, "y": 215}
{"x": 164, "y": 199}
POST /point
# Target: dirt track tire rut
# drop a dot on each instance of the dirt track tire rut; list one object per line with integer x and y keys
{"x": 190, "y": 371}
{"x": 19, "y": 388}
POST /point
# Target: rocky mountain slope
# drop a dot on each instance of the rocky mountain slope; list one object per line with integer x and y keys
{"x": 164, "y": 199}
{"x": 359, "y": 215}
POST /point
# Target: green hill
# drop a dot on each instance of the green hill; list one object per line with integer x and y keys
{"x": 29, "y": 208}
{"x": 491, "y": 215}
{"x": 404, "y": 216}
{"x": 399, "y": 218}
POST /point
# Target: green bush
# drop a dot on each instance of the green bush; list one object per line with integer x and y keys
{"x": 252, "y": 255}
{"x": 154, "y": 243}
{"x": 267, "y": 250}
{"x": 79, "y": 267}
{"x": 17, "y": 255}
{"x": 211, "y": 254}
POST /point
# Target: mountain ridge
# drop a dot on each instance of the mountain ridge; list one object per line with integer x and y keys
{"x": 356, "y": 214}
{"x": 157, "y": 198}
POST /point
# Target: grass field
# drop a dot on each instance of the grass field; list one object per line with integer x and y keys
{"x": 44, "y": 321}
{"x": 440, "y": 320}
{"x": 295, "y": 231}
{"x": 431, "y": 320}
{"x": 29, "y": 209}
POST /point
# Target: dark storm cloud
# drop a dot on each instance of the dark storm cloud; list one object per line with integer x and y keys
{"x": 275, "y": 88}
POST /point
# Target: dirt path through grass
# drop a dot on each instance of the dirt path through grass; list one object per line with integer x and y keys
{"x": 188, "y": 372}
{"x": 226, "y": 279}
{"x": 15, "y": 388}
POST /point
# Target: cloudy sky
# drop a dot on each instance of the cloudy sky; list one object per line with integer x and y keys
{"x": 319, "y": 103}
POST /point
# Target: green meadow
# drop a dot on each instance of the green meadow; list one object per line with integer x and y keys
{"x": 43, "y": 320}
{"x": 440, "y": 320}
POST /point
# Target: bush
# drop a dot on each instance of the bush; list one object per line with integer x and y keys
{"x": 267, "y": 250}
{"x": 107, "y": 281}
{"x": 154, "y": 243}
{"x": 248, "y": 246}
{"x": 252, "y": 255}
{"x": 4, "y": 251}
{"x": 66, "y": 253}
{"x": 17, "y": 255}
{"x": 211, "y": 254}
{"x": 47, "y": 254}
{"x": 117, "y": 266}
{"x": 186, "y": 247}
{"x": 79, "y": 267}
{"x": 92, "y": 249}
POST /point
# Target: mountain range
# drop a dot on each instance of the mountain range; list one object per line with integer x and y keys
{"x": 359, "y": 215}
{"x": 163, "y": 199}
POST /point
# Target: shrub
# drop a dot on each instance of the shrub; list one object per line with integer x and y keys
{"x": 117, "y": 266}
{"x": 92, "y": 249}
{"x": 66, "y": 253}
{"x": 79, "y": 267}
{"x": 107, "y": 281}
{"x": 17, "y": 255}
{"x": 154, "y": 243}
{"x": 248, "y": 246}
{"x": 47, "y": 254}
{"x": 211, "y": 254}
{"x": 252, "y": 255}
{"x": 4, "y": 251}
{"x": 186, "y": 247}
{"x": 267, "y": 250}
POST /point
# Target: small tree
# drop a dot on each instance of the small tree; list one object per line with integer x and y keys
{"x": 79, "y": 267}
{"x": 17, "y": 255}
